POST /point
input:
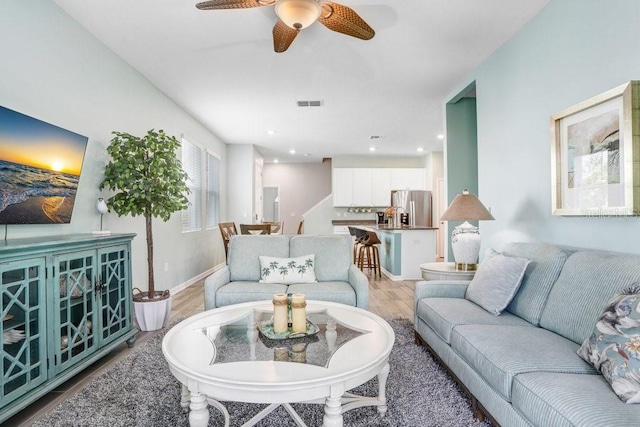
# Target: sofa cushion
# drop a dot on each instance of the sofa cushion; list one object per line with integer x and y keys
{"x": 496, "y": 281}
{"x": 614, "y": 346}
{"x": 444, "y": 314}
{"x": 341, "y": 292}
{"x": 333, "y": 255}
{"x": 245, "y": 250}
{"x": 567, "y": 400}
{"x": 542, "y": 272}
{"x": 588, "y": 280}
{"x": 246, "y": 291}
{"x": 287, "y": 270}
{"x": 499, "y": 353}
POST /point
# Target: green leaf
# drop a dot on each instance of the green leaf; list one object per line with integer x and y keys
{"x": 146, "y": 178}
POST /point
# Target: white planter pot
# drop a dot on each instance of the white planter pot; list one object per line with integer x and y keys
{"x": 152, "y": 315}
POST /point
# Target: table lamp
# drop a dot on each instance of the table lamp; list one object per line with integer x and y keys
{"x": 465, "y": 238}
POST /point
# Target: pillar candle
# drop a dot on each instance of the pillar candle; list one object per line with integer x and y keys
{"x": 280, "y": 314}
{"x": 298, "y": 313}
{"x": 299, "y": 353}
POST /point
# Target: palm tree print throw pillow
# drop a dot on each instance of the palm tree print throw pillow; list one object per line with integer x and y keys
{"x": 288, "y": 270}
{"x": 614, "y": 346}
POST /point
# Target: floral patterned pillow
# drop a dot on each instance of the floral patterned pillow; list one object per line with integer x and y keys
{"x": 287, "y": 270}
{"x": 614, "y": 347}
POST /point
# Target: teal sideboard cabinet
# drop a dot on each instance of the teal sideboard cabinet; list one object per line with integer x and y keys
{"x": 66, "y": 302}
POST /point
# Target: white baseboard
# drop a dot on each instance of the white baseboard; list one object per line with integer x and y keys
{"x": 181, "y": 287}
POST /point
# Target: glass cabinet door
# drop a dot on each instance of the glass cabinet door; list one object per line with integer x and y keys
{"x": 115, "y": 292}
{"x": 23, "y": 310}
{"x": 75, "y": 302}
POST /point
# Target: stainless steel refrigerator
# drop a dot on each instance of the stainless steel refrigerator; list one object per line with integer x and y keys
{"x": 417, "y": 203}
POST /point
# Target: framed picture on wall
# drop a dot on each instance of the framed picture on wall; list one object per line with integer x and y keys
{"x": 595, "y": 155}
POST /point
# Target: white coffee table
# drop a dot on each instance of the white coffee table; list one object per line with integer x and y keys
{"x": 220, "y": 355}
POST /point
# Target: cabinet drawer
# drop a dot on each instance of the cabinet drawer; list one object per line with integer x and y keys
{"x": 340, "y": 229}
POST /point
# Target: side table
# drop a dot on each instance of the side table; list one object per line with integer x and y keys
{"x": 444, "y": 271}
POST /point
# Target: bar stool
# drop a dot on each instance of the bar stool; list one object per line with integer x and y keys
{"x": 368, "y": 253}
{"x": 359, "y": 235}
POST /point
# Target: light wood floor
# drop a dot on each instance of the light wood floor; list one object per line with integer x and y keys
{"x": 388, "y": 299}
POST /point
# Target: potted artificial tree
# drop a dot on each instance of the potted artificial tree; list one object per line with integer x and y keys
{"x": 147, "y": 178}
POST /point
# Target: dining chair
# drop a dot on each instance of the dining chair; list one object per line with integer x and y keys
{"x": 255, "y": 228}
{"x": 277, "y": 227}
{"x": 227, "y": 229}
{"x": 301, "y": 227}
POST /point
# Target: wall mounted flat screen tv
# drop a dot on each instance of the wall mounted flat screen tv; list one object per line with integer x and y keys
{"x": 40, "y": 167}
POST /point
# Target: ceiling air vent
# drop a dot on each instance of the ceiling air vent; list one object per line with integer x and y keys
{"x": 310, "y": 103}
{"x": 376, "y": 137}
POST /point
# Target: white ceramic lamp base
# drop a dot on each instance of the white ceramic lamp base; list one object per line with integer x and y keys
{"x": 465, "y": 243}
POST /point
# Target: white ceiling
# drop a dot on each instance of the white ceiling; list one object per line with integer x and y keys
{"x": 220, "y": 66}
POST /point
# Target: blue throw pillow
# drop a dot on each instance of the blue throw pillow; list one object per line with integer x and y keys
{"x": 614, "y": 346}
{"x": 496, "y": 281}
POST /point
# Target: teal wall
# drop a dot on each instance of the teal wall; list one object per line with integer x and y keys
{"x": 390, "y": 252}
{"x": 462, "y": 147}
{"x": 571, "y": 51}
{"x": 461, "y": 154}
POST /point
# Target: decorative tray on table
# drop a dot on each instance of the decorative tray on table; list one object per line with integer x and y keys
{"x": 266, "y": 328}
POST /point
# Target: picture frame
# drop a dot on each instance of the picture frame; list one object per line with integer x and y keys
{"x": 595, "y": 155}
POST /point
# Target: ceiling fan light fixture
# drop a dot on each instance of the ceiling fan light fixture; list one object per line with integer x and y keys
{"x": 298, "y": 14}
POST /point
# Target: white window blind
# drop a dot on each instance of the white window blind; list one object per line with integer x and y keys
{"x": 192, "y": 165}
{"x": 213, "y": 190}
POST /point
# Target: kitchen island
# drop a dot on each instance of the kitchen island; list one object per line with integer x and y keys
{"x": 404, "y": 248}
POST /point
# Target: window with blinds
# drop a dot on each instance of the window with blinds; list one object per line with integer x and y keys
{"x": 192, "y": 165}
{"x": 213, "y": 190}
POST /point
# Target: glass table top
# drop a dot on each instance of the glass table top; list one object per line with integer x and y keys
{"x": 241, "y": 340}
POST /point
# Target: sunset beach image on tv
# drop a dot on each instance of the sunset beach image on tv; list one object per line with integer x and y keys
{"x": 40, "y": 167}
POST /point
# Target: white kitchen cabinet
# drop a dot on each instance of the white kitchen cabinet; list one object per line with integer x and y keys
{"x": 341, "y": 229}
{"x": 372, "y": 186}
{"x": 408, "y": 179}
{"x": 342, "y": 187}
{"x": 417, "y": 179}
{"x": 381, "y": 187}
{"x": 362, "y": 187}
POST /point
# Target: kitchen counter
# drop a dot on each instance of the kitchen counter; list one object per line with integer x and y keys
{"x": 402, "y": 227}
{"x": 403, "y": 249}
{"x": 353, "y": 222}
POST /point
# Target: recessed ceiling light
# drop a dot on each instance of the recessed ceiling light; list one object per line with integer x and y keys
{"x": 271, "y": 132}
{"x": 372, "y": 148}
{"x": 275, "y": 160}
{"x": 420, "y": 149}
{"x": 440, "y": 136}
{"x": 292, "y": 151}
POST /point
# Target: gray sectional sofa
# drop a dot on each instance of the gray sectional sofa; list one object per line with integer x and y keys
{"x": 521, "y": 367}
{"x": 338, "y": 280}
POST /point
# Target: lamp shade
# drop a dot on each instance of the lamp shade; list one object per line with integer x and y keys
{"x": 466, "y": 207}
{"x": 298, "y": 14}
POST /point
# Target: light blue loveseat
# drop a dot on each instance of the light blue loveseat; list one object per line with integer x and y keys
{"x": 521, "y": 367}
{"x": 339, "y": 280}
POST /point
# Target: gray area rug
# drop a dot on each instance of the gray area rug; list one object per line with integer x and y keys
{"x": 134, "y": 393}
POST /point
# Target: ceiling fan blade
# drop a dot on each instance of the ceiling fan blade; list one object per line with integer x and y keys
{"x": 283, "y": 36}
{"x": 343, "y": 19}
{"x": 233, "y": 4}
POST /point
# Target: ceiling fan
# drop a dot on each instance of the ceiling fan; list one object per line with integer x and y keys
{"x": 294, "y": 15}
